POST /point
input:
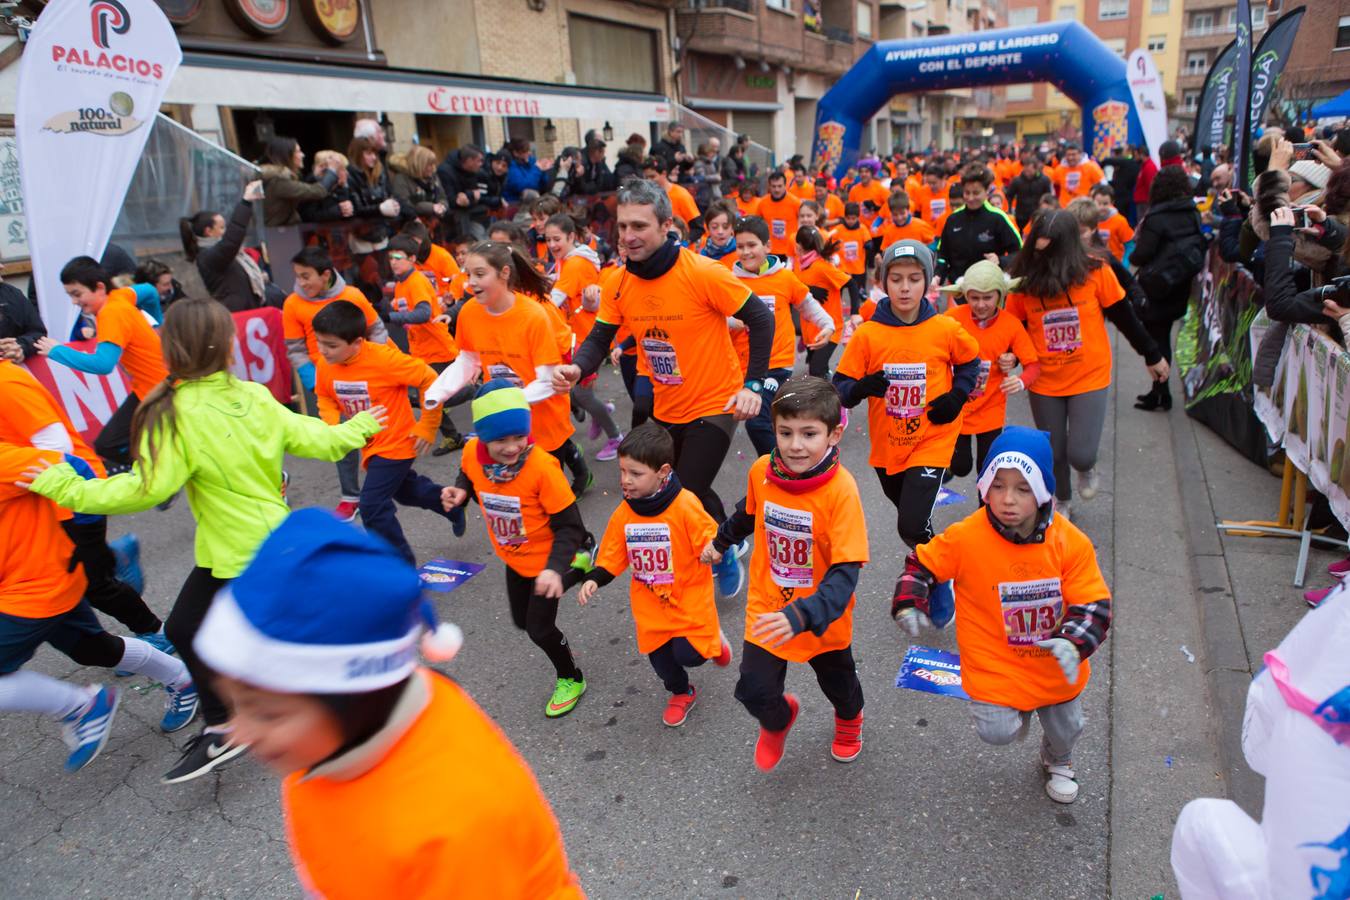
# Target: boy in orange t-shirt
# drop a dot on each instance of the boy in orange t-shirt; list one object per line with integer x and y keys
{"x": 1031, "y": 605}
{"x": 532, "y": 518}
{"x": 316, "y": 647}
{"x": 354, "y": 376}
{"x": 659, "y": 530}
{"x": 903, "y": 224}
{"x": 125, "y": 338}
{"x": 1114, "y": 230}
{"x": 810, "y": 545}
{"x": 854, "y": 254}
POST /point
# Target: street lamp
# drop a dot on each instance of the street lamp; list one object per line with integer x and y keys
{"x": 607, "y": 133}
{"x": 550, "y": 131}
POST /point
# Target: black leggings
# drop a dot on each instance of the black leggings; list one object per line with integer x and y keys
{"x": 760, "y": 688}
{"x": 105, "y": 593}
{"x": 913, "y": 491}
{"x": 102, "y": 650}
{"x": 670, "y": 661}
{"x": 568, "y": 454}
{"x": 962, "y": 462}
{"x": 185, "y": 620}
{"x": 1161, "y": 332}
{"x": 818, "y": 360}
{"x": 538, "y": 617}
{"x": 700, "y": 448}
{"x": 114, "y": 440}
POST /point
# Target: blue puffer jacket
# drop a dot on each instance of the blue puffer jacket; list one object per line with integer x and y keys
{"x": 521, "y": 177}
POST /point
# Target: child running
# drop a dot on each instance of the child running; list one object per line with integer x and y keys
{"x": 853, "y": 238}
{"x": 659, "y": 530}
{"x": 356, "y": 375}
{"x": 315, "y": 647}
{"x": 225, "y": 440}
{"x": 827, "y": 284}
{"x": 810, "y": 546}
{"x": 532, "y": 518}
{"x": 1031, "y": 605}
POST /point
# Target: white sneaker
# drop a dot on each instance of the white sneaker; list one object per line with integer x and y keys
{"x": 1088, "y": 482}
{"x": 1060, "y": 784}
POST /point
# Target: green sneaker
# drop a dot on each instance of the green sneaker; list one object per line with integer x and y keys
{"x": 565, "y": 697}
{"x": 584, "y": 559}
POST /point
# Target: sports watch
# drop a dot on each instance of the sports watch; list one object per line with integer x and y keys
{"x": 754, "y": 384}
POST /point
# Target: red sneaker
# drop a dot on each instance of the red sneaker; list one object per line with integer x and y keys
{"x": 769, "y": 747}
{"x": 346, "y": 511}
{"x": 1340, "y": 568}
{"x": 677, "y": 709}
{"x": 723, "y": 658}
{"x": 847, "y": 739}
{"x": 1315, "y": 598}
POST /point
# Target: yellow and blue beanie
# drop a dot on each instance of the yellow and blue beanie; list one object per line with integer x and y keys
{"x": 500, "y": 410}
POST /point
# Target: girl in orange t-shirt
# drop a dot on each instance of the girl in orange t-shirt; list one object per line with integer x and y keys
{"x": 719, "y": 242}
{"x": 828, "y": 285}
{"x": 1064, "y": 300}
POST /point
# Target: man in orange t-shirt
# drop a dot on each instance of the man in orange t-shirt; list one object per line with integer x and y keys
{"x": 356, "y": 375}
{"x": 868, "y": 188}
{"x": 779, "y": 211}
{"x": 932, "y": 199}
{"x": 1076, "y": 176}
{"x": 830, "y": 204}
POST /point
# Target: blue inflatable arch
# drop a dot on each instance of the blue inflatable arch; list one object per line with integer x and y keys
{"x": 1063, "y": 53}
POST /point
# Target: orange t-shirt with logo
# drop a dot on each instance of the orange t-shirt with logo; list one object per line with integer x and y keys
{"x": 511, "y": 346}
{"x": 682, "y": 203}
{"x": 834, "y": 208}
{"x": 441, "y": 263}
{"x": 672, "y": 592}
{"x": 575, "y": 274}
{"x": 987, "y": 407}
{"x": 379, "y": 375}
{"x": 918, "y": 361}
{"x": 806, "y": 190}
{"x": 501, "y": 840}
{"x": 37, "y": 576}
{"x": 120, "y": 322}
{"x": 430, "y": 341}
{"x": 1072, "y": 182}
{"x": 748, "y": 207}
{"x": 1116, "y": 232}
{"x": 781, "y": 217}
{"x": 516, "y": 512}
{"x": 297, "y": 317}
{"x": 1008, "y": 596}
{"x": 1069, "y": 333}
{"x": 874, "y": 191}
{"x": 797, "y": 538}
{"x": 852, "y": 247}
{"x": 930, "y": 205}
{"x": 821, "y": 274}
{"x": 680, "y": 322}
{"x": 915, "y": 229}
{"x": 779, "y": 290}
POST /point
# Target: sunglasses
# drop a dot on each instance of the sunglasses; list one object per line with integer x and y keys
{"x": 397, "y": 255}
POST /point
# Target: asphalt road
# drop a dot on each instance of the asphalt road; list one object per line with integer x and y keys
{"x": 646, "y": 810}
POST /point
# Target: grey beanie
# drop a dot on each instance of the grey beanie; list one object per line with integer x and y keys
{"x": 911, "y": 250}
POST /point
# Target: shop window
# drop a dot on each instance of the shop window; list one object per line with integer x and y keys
{"x": 606, "y": 54}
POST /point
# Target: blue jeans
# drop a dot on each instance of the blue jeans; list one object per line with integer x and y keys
{"x": 760, "y": 428}
{"x": 389, "y": 481}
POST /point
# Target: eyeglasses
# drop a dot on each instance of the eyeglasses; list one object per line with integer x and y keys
{"x": 397, "y": 255}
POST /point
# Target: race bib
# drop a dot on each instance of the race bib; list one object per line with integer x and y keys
{"x": 769, "y": 300}
{"x": 982, "y": 380}
{"x": 937, "y": 207}
{"x": 649, "y": 553}
{"x": 851, "y": 251}
{"x": 1072, "y": 180}
{"x": 1032, "y": 610}
{"x": 787, "y": 533}
{"x": 661, "y": 358}
{"x": 502, "y": 370}
{"x": 1105, "y": 235}
{"x": 908, "y": 389}
{"x": 352, "y": 396}
{"x": 1062, "y": 330}
{"x": 778, "y": 228}
{"x": 504, "y": 520}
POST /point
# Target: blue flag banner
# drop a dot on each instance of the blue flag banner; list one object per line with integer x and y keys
{"x": 444, "y": 575}
{"x": 1242, "y": 137}
{"x": 932, "y": 671}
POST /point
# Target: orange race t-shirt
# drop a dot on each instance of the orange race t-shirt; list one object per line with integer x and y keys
{"x": 805, "y": 190}
{"x": 797, "y": 538}
{"x": 1069, "y": 333}
{"x": 918, "y": 361}
{"x": 379, "y": 375}
{"x": 297, "y": 317}
{"x": 824, "y": 276}
{"x": 929, "y": 205}
{"x": 781, "y": 217}
{"x": 442, "y": 268}
{"x": 575, "y": 274}
{"x": 987, "y": 406}
{"x": 834, "y": 208}
{"x": 502, "y": 840}
{"x": 852, "y": 248}
{"x": 516, "y": 512}
{"x": 430, "y": 341}
{"x": 779, "y": 290}
{"x": 682, "y": 203}
{"x": 1076, "y": 181}
{"x": 874, "y": 191}
{"x": 1008, "y": 597}
{"x": 120, "y": 322}
{"x": 915, "y": 229}
{"x": 672, "y": 592}
{"x": 680, "y": 322}
{"x": 1116, "y": 232}
{"x": 748, "y": 207}
{"x": 512, "y": 346}
{"x": 38, "y": 578}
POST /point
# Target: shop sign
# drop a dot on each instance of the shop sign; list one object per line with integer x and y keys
{"x": 264, "y": 17}
{"x": 335, "y": 21}
{"x": 180, "y": 12}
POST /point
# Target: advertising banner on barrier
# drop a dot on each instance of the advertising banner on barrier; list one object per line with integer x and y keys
{"x": 1267, "y": 404}
{"x": 1315, "y": 390}
{"x": 1296, "y": 394}
{"x": 1337, "y": 489}
{"x": 260, "y": 351}
{"x": 90, "y": 83}
{"x": 89, "y": 400}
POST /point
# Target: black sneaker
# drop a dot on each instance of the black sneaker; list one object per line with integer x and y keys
{"x": 201, "y": 754}
{"x": 449, "y": 443}
{"x": 583, "y": 483}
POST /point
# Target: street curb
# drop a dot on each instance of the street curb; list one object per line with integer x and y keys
{"x": 1224, "y": 650}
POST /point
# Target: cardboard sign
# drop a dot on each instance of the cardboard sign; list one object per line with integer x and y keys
{"x": 931, "y": 671}
{"x": 444, "y": 575}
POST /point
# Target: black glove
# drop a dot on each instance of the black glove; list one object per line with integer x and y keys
{"x": 874, "y": 385}
{"x": 944, "y": 410}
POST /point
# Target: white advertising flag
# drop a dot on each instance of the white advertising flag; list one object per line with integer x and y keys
{"x": 1149, "y": 104}
{"x": 90, "y": 83}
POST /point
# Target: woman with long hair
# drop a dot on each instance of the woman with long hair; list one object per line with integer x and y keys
{"x": 231, "y": 276}
{"x": 223, "y": 440}
{"x": 1065, "y": 299}
{"x": 282, "y": 162}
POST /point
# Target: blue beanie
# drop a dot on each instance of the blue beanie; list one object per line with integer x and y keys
{"x": 324, "y": 608}
{"x": 500, "y": 410}
{"x": 1028, "y": 451}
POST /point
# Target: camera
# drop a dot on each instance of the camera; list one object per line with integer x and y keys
{"x": 1303, "y": 151}
{"x": 1337, "y": 290}
{"x": 1300, "y": 216}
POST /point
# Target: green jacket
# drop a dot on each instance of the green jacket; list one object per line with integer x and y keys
{"x": 227, "y": 447}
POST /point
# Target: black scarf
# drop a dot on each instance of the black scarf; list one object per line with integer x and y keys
{"x": 652, "y": 506}
{"x": 660, "y": 262}
{"x": 1044, "y": 515}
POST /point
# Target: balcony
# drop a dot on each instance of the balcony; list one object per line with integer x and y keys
{"x": 745, "y": 6}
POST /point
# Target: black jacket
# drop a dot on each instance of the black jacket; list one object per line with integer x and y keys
{"x": 667, "y": 150}
{"x": 1167, "y": 228}
{"x": 1124, "y": 174}
{"x": 593, "y": 178}
{"x": 366, "y": 196}
{"x": 1025, "y": 193}
{"x": 223, "y": 277}
{"x": 1284, "y": 302}
{"x": 971, "y": 233}
{"x": 19, "y": 319}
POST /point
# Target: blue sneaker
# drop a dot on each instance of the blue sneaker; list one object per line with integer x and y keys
{"x": 127, "y": 550}
{"x": 942, "y": 605}
{"x": 457, "y": 521}
{"x": 86, "y": 732}
{"x": 179, "y": 710}
{"x": 730, "y": 574}
{"x": 159, "y": 641}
